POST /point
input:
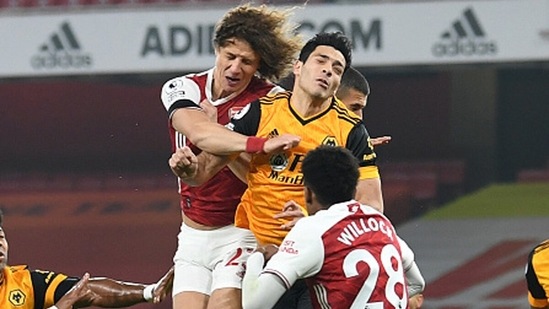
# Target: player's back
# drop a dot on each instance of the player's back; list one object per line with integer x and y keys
{"x": 362, "y": 265}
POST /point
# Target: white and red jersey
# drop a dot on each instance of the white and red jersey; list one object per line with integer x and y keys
{"x": 214, "y": 203}
{"x": 350, "y": 255}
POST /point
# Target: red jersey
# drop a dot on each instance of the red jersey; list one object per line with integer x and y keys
{"x": 213, "y": 203}
{"x": 350, "y": 256}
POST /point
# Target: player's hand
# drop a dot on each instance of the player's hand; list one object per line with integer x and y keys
{"x": 281, "y": 143}
{"x": 268, "y": 251}
{"x": 382, "y": 140}
{"x": 290, "y": 210}
{"x": 415, "y": 302}
{"x": 209, "y": 109}
{"x": 163, "y": 286}
{"x": 184, "y": 163}
{"x": 78, "y": 292}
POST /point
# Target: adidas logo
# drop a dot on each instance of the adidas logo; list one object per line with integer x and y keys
{"x": 466, "y": 37}
{"x": 273, "y": 133}
{"x": 61, "y": 50}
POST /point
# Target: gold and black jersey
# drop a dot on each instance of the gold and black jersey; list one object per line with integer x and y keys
{"x": 275, "y": 179}
{"x": 537, "y": 275}
{"x": 32, "y": 289}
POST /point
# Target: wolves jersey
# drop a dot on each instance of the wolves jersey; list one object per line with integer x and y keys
{"x": 214, "y": 203}
{"x": 277, "y": 178}
{"x": 32, "y": 289}
{"x": 537, "y": 275}
{"x": 350, "y": 255}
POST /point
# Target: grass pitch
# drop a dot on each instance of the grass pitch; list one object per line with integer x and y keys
{"x": 499, "y": 200}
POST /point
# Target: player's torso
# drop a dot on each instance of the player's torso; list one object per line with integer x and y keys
{"x": 362, "y": 265}
{"x": 214, "y": 203}
{"x": 275, "y": 179}
{"x": 16, "y": 291}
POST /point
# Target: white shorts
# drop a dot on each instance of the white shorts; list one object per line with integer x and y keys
{"x": 209, "y": 260}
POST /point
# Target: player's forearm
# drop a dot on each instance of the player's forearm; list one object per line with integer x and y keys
{"x": 369, "y": 193}
{"x": 416, "y": 283}
{"x": 259, "y": 291}
{"x": 240, "y": 166}
{"x": 208, "y": 165}
{"x": 109, "y": 293}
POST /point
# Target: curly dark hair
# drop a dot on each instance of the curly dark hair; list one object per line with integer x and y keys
{"x": 269, "y": 32}
{"x": 336, "y": 40}
{"x": 331, "y": 173}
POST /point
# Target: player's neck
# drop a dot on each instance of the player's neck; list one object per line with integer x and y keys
{"x": 307, "y": 105}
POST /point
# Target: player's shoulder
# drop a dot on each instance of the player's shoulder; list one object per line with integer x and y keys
{"x": 275, "y": 98}
{"x": 18, "y": 269}
{"x": 344, "y": 113}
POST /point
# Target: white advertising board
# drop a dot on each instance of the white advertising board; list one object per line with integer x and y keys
{"x": 163, "y": 40}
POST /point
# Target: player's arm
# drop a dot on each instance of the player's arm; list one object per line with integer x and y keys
{"x": 181, "y": 98}
{"x": 240, "y": 166}
{"x": 263, "y": 286}
{"x": 537, "y": 295}
{"x": 414, "y": 278}
{"x": 369, "y": 184}
{"x": 109, "y": 293}
{"x": 260, "y": 290}
{"x": 368, "y": 192}
{"x": 77, "y": 292}
{"x": 50, "y": 287}
{"x": 195, "y": 170}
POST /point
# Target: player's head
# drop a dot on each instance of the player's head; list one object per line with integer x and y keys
{"x": 322, "y": 62}
{"x": 250, "y": 40}
{"x": 330, "y": 176}
{"x": 354, "y": 90}
{"x": 3, "y": 244}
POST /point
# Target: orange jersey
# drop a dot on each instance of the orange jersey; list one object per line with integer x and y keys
{"x": 277, "y": 178}
{"x": 537, "y": 275}
{"x": 32, "y": 289}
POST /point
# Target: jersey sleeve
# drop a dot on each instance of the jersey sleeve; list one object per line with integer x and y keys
{"x": 246, "y": 121}
{"x": 180, "y": 92}
{"x": 537, "y": 296}
{"x": 407, "y": 254}
{"x": 359, "y": 144}
{"x": 49, "y": 287}
{"x": 299, "y": 256}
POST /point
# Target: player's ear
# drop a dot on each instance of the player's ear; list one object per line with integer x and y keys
{"x": 308, "y": 196}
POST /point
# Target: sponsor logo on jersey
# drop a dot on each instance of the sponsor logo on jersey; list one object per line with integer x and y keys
{"x": 234, "y": 110}
{"x": 17, "y": 297}
{"x": 465, "y": 37}
{"x": 243, "y": 111}
{"x": 62, "y": 50}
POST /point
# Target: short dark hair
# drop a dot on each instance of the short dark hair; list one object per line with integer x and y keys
{"x": 336, "y": 40}
{"x": 353, "y": 79}
{"x": 331, "y": 173}
{"x": 1, "y": 218}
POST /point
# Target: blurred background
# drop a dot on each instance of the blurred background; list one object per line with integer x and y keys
{"x": 461, "y": 86}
